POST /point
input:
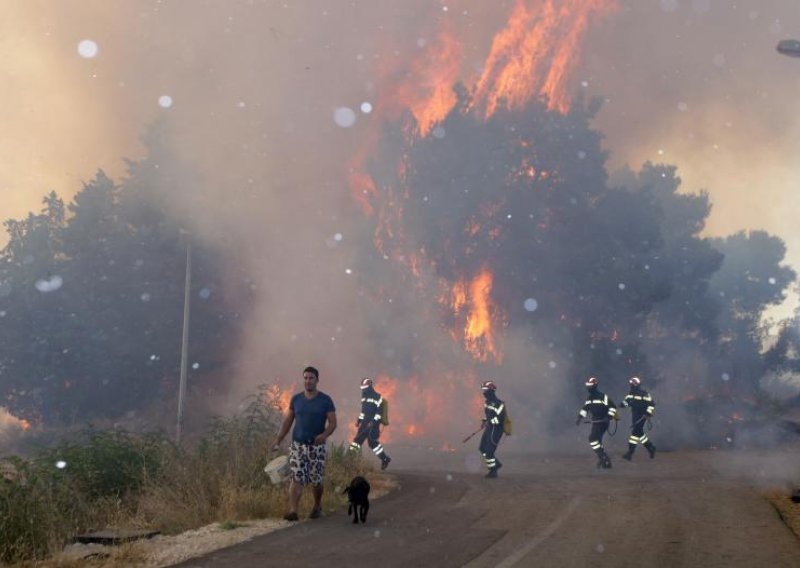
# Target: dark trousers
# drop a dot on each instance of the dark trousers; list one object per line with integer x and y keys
{"x": 489, "y": 442}
{"x": 372, "y": 435}
{"x": 599, "y": 429}
{"x": 637, "y": 434}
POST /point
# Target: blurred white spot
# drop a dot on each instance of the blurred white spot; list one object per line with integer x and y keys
{"x": 669, "y": 5}
{"x": 647, "y": 267}
{"x": 619, "y": 351}
{"x": 449, "y": 477}
{"x": 421, "y": 42}
{"x": 584, "y": 83}
{"x": 366, "y": 107}
{"x": 241, "y": 104}
{"x": 344, "y": 117}
{"x": 621, "y": 286}
{"x": 377, "y": 534}
{"x": 432, "y": 490}
{"x": 772, "y": 281}
{"x": 444, "y": 8}
{"x": 2, "y": 313}
{"x": 145, "y": 297}
{"x": 338, "y": 237}
{"x": 531, "y": 304}
{"x": 682, "y": 106}
{"x": 61, "y": 464}
{"x": 348, "y": 271}
{"x": 205, "y": 293}
{"x": 196, "y": 366}
{"x": 581, "y": 154}
{"x": 438, "y": 132}
{"x": 165, "y": 101}
{"x": 87, "y": 49}
{"x": 718, "y": 60}
{"x": 552, "y": 364}
{"x": 51, "y": 285}
{"x": 728, "y": 439}
{"x": 726, "y": 377}
{"x": 660, "y": 152}
{"x": 599, "y": 548}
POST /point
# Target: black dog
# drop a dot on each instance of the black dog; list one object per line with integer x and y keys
{"x": 358, "y": 495}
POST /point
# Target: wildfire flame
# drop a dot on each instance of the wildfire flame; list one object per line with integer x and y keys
{"x": 9, "y": 422}
{"x": 428, "y": 93}
{"x": 534, "y": 55}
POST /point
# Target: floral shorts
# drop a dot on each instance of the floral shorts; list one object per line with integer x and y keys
{"x": 307, "y": 463}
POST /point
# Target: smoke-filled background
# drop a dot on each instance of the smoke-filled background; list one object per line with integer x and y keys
{"x": 431, "y": 193}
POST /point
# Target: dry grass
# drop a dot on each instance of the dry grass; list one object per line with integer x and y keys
{"x": 117, "y": 479}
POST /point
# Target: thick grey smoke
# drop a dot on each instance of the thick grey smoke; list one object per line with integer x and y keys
{"x": 267, "y": 109}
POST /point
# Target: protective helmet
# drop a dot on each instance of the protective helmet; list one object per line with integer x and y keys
{"x": 488, "y": 386}
{"x": 366, "y": 382}
{"x": 592, "y": 382}
{"x": 635, "y": 381}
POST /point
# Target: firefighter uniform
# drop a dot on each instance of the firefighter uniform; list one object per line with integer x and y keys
{"x": 369, "y": 423}
{"x": 602, "y": 410}
{"x": 642, "y": 407}
{"x": 493, "y": 423}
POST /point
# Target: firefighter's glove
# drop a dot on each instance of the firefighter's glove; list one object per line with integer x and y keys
{"x": 616, "y": 418}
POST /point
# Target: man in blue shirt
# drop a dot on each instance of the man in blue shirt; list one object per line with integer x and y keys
{"x": 314, "y": 416}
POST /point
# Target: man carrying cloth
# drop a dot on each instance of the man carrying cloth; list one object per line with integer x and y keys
{"x": 316, "y": 421}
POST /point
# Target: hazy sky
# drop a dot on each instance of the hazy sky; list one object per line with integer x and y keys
{"x": 254, "y": 84}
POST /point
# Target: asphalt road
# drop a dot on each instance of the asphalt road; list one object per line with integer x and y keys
{"x": 681, "y": 509}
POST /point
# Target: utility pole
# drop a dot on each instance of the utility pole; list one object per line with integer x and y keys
{"x": 185, "y": 337}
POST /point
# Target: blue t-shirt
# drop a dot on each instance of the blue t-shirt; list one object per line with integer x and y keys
{"x": 310, "y": 416}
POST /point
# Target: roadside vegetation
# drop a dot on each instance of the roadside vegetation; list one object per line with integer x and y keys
{"x": 114, "y": 478}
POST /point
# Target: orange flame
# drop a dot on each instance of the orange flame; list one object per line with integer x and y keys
{"x": 535, "y": 54}
{"x": 479, "y": 335}
{"x": 428, "y": 90}
{"x": 279, "y": 396}
{"x": 9, "y": 421}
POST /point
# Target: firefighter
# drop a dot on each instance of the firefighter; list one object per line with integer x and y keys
{"x": 642, "y": 407}
{"x": 492, "y": 424}
{"x": 369, "y": 422}
{"x": 602, "y": 410}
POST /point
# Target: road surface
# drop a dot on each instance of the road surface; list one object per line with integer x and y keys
{"x": 681, "y": 509}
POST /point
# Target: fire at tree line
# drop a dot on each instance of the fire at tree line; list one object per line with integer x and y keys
{"x": 626, "y": 285}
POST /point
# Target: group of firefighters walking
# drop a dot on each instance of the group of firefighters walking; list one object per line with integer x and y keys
{"x": 599, "y": 410}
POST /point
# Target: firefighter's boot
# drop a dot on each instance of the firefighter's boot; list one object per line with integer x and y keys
{"x": 629, "y": 454}
{"x": 385, "y": 461}
{"x": 600, "y": 459}
{"x": 606, "y": 460}
{"x": 651, "y": 449}
{"x": 492, "y": 473}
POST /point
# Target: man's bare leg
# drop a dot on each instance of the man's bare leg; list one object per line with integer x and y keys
{"x": 295, "y": 491}
{"x": 318, "y": 489}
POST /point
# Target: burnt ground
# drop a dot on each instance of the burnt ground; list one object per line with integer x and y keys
{"x": 687, "y": 508}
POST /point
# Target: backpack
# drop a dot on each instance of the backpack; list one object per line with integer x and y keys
{"x": 385, "y": 412}
{"x": 508, "y": 427}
